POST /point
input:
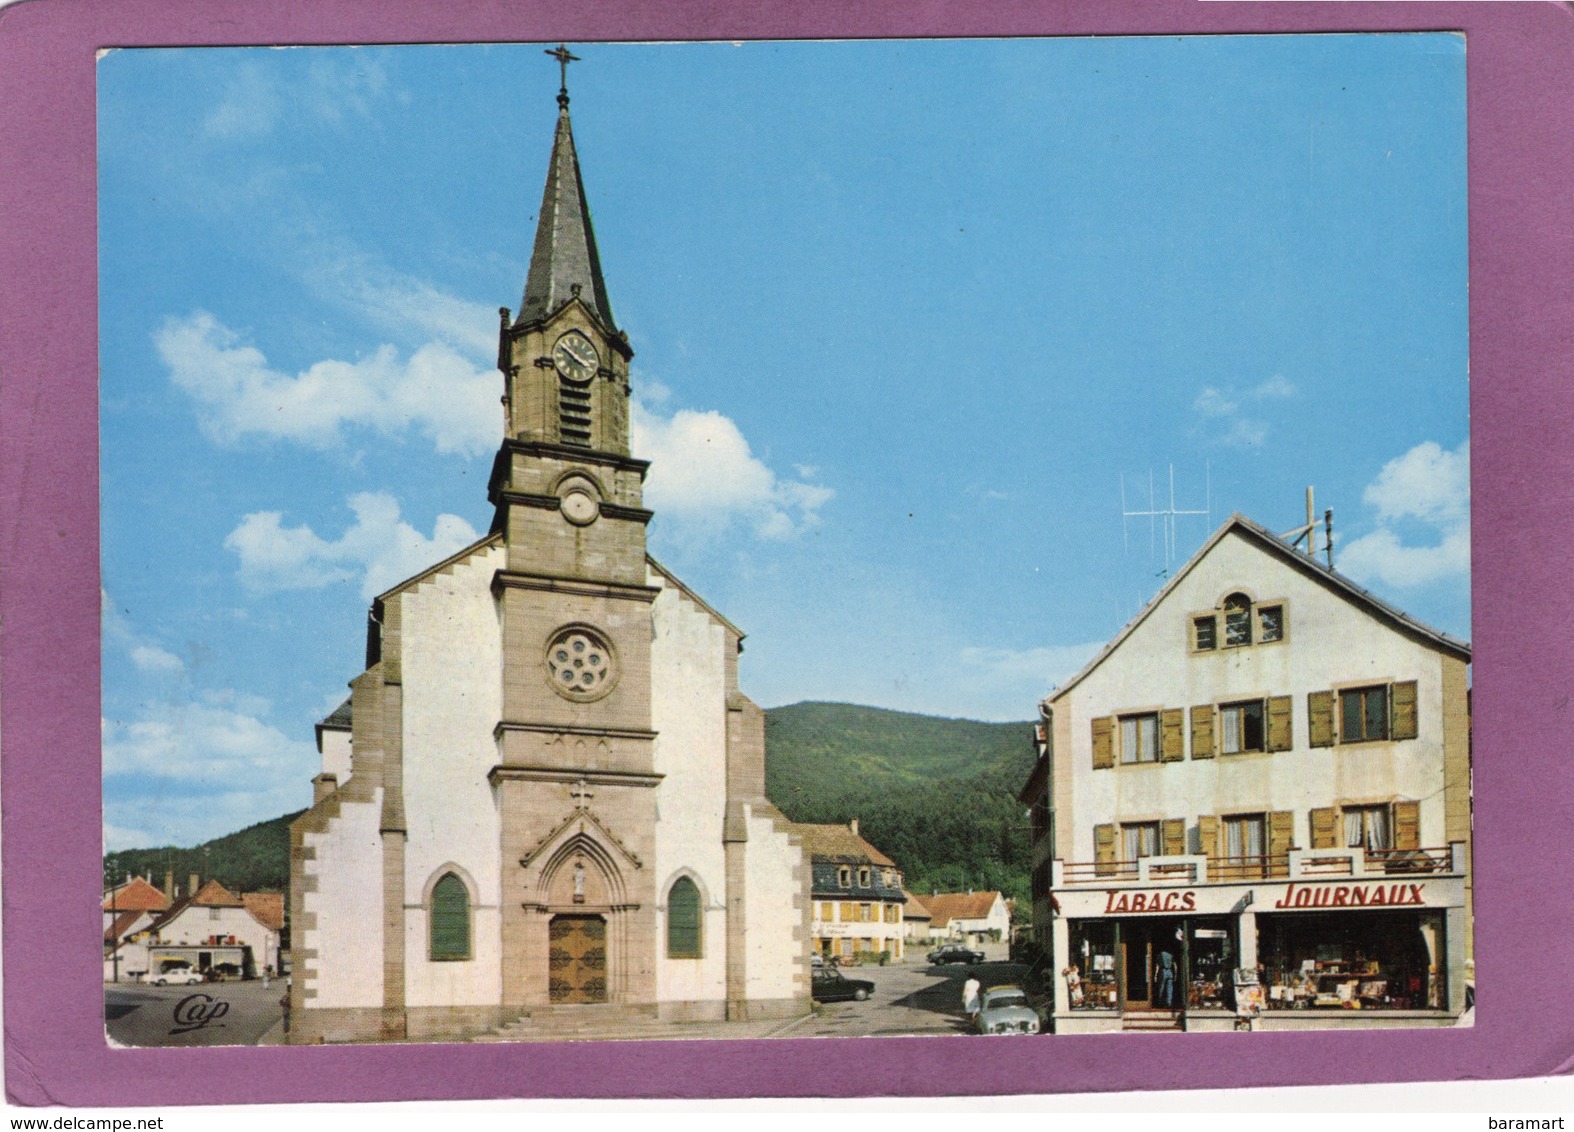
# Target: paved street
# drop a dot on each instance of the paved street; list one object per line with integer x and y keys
{"x": 910, "y": 998}
{"x": 206, "y": 1014}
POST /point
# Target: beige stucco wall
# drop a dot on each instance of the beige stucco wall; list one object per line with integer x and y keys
{"x": 451, "y": 652}
{"x": 1330, "y": 642}
{"x": 688, "y": 714}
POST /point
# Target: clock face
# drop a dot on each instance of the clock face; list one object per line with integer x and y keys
{"x": 575, "y": 357}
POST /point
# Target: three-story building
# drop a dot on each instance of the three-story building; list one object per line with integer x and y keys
{"x": 1259, "y": 789}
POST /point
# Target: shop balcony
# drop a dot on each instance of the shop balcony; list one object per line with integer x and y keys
{"x": 1297, "y": 864}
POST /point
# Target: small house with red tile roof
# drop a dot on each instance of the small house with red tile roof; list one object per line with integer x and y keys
{"x": 916, "y": 919}
{"x": 137, "y": 894}
{"x": 970, "y": 916}
{"x": 857, "y": 893}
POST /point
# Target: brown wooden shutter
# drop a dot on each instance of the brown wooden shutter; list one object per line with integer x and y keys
{"x": 1407, "y": 825}
{"x": 1325, "y": 828}
{"x": 1281, "y": 839}
{"x": 1281, "y": 733}
{"x": 1202, "y": 731}
{"x": 1104, "y": 849}
{"x": 1174, "y": 833}
{"x": 1208, "y": 839}
{"x": 1103, "y": 742}
{"x": 1172, "y": 723}
{"x": 1405, "y": 726}
{"x": 1320, "y": 718}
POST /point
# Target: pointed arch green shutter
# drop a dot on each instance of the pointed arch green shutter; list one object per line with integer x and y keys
{"x": 450, "y": 919}
{"x": 683, "y": 920}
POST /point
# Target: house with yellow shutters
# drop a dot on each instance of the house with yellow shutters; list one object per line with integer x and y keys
{"x": 1254, "y": 804}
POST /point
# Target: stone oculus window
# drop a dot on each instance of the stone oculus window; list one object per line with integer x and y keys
{"x": 580, "y": 664}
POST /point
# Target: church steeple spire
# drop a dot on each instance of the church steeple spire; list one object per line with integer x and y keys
{"x": 564, "y": 263}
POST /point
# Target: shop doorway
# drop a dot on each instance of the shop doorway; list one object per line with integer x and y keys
{"x": 1150, "y": 965}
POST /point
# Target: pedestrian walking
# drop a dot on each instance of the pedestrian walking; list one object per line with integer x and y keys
{"x": 970, "y": 997}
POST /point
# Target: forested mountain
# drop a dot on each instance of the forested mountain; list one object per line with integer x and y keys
{"x": 938, "y": 796}
{"x": 253, "y": 859}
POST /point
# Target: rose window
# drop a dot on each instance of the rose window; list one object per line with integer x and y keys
{"x": 579, "y": 663}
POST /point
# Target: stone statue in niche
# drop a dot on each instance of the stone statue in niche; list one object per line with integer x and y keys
{"x": 579, "y": 882}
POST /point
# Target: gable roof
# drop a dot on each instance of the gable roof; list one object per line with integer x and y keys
{"x": 266, "y": 907}
{"x": 840, "y": 844}
{"x": 121, "y": 925}
{"x": 437, "y": 567}
{"x": 914, "y": 909}
{"x": 137, "y": 894}
{"x": 947, "y": 906}
{"x": 692, "y": 596}
{"x": 1266, "y": 540}
{"x": 215, "y": 895}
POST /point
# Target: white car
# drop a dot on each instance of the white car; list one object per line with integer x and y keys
{"x": 178, "y": 976}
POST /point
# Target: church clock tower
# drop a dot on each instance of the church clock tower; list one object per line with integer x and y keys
{"x": 575, "y": 778}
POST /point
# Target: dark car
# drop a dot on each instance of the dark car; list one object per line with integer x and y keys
{"x": 830, "y": 985}
{"x": 955, "y": 953}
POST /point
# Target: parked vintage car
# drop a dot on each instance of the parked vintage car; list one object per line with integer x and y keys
{"x": 955, "y": 953}
{"x": 1006, "y": 1010}
{"x": 830, "y": 985}
{"x": 178, "y": 976}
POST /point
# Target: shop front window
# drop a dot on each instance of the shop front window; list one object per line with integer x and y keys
{"x": 1090, "y": 974}
{"x": 1353, "y": 961}
{"x": 1211, "y": 956}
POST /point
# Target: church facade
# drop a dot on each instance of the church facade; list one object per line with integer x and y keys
{"x": 546, "y": 792}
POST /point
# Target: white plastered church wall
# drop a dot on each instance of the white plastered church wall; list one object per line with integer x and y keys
{"x": 1331, "y": 641}
{"x": 688, "y": 697}
{"x": 347, "y": 905}
{"x": 774, "y": 922}
{"x": 451, "y": 650}
{"x": 336, "y": 753}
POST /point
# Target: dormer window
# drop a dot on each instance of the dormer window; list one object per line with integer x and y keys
{"x": 863, "y": 878}
{"x": 844, "y": 877}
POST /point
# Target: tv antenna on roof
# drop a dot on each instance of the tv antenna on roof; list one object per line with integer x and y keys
{"x": 1161, "y": 521}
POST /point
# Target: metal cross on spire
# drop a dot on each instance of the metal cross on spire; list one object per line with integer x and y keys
{"x": 564, "y": 57}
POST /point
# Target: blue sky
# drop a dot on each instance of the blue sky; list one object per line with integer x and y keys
{"x": 905, "y": 317}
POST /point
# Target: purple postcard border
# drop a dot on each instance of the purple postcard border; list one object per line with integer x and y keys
{"x": 1521, "y": 90}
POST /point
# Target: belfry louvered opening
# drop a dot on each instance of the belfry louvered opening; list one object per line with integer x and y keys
{"x": 573, "y": 415}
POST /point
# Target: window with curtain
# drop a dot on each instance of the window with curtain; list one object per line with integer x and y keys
{"x": 1241, "y": 727}
{"x": 1368, "y": 827}
{"x": 1139, "y": 739}
{"x": 450, "y": 922}
{"x": 1244, "y": 836}
{"x": 1140, "y": 839}
{"x": 683, "y": 920}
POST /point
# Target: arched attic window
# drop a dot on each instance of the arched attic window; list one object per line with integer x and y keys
{"x": 450, "y": 919}
{"x": 683, "y": 920}
{"x": 1237, "y": 620}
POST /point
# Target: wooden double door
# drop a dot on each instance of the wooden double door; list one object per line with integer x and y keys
{"x": 577, "y": 959}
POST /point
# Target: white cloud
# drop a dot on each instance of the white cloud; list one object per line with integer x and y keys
{"x": 151, "y": 658}
{"x": 703, "y": 474}
{"x": 1427, "y": 492}
{"x": 379, "y": 547}
{"x": 187, "y": 772}
{"x": 334, "y": 90}
{"x": 404, "y": 305}
{"x": 1425, "y": 483}
{"x": 1232, "y": 410}
{"x": 436, "y": 392}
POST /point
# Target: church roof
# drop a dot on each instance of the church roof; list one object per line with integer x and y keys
{"x": 340, "y": 718}
{"x": 564, "y": 261}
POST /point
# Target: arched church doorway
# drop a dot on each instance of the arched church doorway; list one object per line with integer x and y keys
{"x": 577, "y": 959}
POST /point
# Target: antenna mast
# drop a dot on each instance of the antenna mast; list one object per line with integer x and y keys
{"x": 1161, "y": 521}
{"x": 1308, "y": 532}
